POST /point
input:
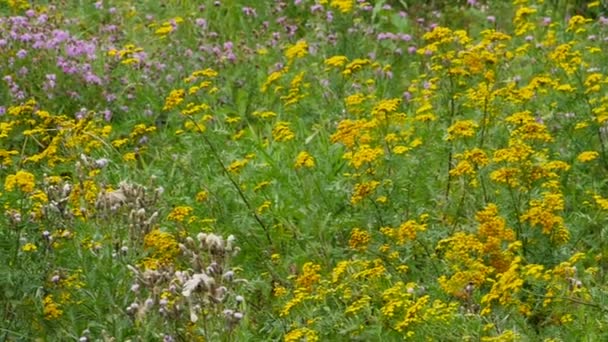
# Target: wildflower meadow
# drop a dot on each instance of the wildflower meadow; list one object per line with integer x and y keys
{"x": 304, "y": 170}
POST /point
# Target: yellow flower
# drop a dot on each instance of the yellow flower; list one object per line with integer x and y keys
{"x": 202, "y": 196}
{"x": 407, "y": 231}
{"x": 344, "y": 6}
{"x": 265, "y": 206}
{"x": 275, "y": 257}
{"x": 301, "y": 334}
{"x": 385, "y": 107}
{"x": 165, "y": 29}
{"x": 174, "y": 99}
{"x": 18, "y": 4}
{"x": 362, "y": 190}
{"x": 29, "y": 247}
{"x": 364, "y": 155}
{"x": 51, "y": 309}
{"x": 359, "y": 239}
{"x": 355, "y": 66}
{"x": 304, "y": 159}
{"x": 264, "y": 114}
{"x": 575, "y": 23}
{"x": 358, "y": 305}
{"x": 119, "y": 142}
{"x": 23, "y": 180}
{"x": 279, "y": 291}
{"x": 237, "y": 165}
{"x": 461, "y": 129}
{"x": 601, "y": 202}
{"x": 298, "y": 50}
{"x": 282, "y": 132}
{"x": 178, "y": 214}
{"x": 163, "y": 247}
{"x": 336, "y": 61}
{"x": 587, "y": 156}
{"x": 309, "y": 276}
{"x": 129, "y": 156}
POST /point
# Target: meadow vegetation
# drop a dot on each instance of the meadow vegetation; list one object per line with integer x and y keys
{"x": 308, "y": 170}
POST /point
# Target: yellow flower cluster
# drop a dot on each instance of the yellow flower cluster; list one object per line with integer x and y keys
{"x": 22, "y": 180}
{"x": 51, "y": 309}
{"x": 301, "y": 334}
{"x": 297, "y": 50}
{"x": 281, "y": 132}
{"x": 359, "y": 239}
{"x": 179, "y": 213}
{"x": 309, "y": 277}
{"x": 163, "y": 249}
{"x": 304, "y": 159}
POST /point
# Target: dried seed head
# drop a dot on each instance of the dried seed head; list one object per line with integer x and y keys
{"x": 230, "y": 242}
{"x": 198, "y": 281}
{"x": 220, "y": 293}
{"x": 229, "y": 275}
{"x": 67, "y": 189}
{"x": 101, "y": 163}
{"x": 214, "y": 243}
{"x": 149, "y": 303}
{"x": 193, "y": 316}
{"x": 213, "y": 268}
{"x": 133, "y": 308}
{"x": 183, "y": 248}
{"x": 469, "y": 288}
{"x": 190, "y": 241}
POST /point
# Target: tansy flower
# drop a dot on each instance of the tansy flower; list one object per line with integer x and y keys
{"x": 362, "y": 190}
{"x": 174, "y": 99}
{"x": 336, "y": 61}
{"x": 29, "y": 247}
{"x": 282, "y": 132}
{"x": 576, "y": 22}
{"x": 358, "y": 305}
{"x": 461, "y": 129}
{"x": 301, "y": 334}
{"x": 309, "y": 276}
{"x": 344, "y": 6}
{"x": 355, "y": 66}
{"x": 385, "y": 107}
{"x": 51, "y": 309}
{"x": 179, "y": 213}
{"x": 202, "y": 196}
{"x": 601, "y": 202}
{"x": 279, "y": 291}
{"x": 23, "y": 180}
{"x": 304, "y": 159}
{"x": 587, "y": 156}
{"x": 265, "y": 206}
{"x": 237, "y": 165}
{"x": 359, "y": 239}
{"x": 298, "y": 50}
{"x": 163, "y": 248}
